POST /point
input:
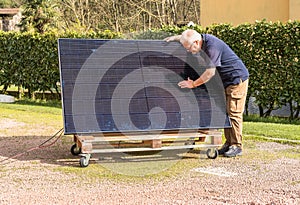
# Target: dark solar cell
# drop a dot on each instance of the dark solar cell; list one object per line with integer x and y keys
{"x": 127, "y": 85}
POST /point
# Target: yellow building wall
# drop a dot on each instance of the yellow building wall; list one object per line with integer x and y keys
{"x": 295, "y": 9}
{"x": 242, "y": 11}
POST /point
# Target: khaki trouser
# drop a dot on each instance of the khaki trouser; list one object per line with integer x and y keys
{"x": 235, "y": 105}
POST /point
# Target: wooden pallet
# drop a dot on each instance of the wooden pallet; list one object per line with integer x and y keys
{"x": 134, "y": 142}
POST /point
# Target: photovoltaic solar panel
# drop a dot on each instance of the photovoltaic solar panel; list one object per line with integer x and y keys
{"x": 131, "y": 85}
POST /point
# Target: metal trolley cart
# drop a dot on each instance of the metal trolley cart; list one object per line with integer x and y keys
{"x": 122, "y": 96}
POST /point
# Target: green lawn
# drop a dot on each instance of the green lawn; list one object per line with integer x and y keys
{"x": 31, "y": 118}
{"x": 49, "y": 114}
{"x": 273, "y": 128}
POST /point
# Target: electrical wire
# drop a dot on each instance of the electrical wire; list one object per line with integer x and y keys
{"x": 43, "y": 145}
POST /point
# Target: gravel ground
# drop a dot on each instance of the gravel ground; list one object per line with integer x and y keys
{"x": 34, "y": 179}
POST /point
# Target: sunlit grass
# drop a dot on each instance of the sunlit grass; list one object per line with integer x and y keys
{"x": 267, "y": 131}
{"x": 30, "y": 118}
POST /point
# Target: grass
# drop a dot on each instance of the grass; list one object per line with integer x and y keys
{"x": 37, "y": 106}
{"x": 271, "y": 119}
{"x": 49, "y": 113}
{"x": 45, "y": 117}
{"x": 272, "y": 128}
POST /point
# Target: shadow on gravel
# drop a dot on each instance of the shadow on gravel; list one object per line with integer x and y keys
{"x": 26, "y": 148}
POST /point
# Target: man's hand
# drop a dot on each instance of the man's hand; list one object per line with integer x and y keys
{"x": 186, "y": 83}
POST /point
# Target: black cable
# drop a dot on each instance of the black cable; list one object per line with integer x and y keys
{"x": 41, "y": 146}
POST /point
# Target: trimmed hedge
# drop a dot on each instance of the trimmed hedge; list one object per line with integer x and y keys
{"x": 269, "y": 50}
{"x": 30, "y": 60}
{"x": 271, "y": 53}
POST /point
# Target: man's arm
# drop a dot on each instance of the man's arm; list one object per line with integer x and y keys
{"x": 205, "y": 77}
{"x": 173, "y": 38}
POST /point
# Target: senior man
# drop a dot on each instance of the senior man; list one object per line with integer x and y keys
{"x": 234, "y": 75}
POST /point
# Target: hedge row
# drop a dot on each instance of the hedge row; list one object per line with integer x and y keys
{"x": 269, "y": 50}
{"x": 30, "y": 60}
{"x": 271, "y": 53}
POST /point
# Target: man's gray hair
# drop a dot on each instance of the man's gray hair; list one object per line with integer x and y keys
{"x": 190, "y": 36}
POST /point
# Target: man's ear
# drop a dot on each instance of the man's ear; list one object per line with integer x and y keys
{"x": 197, "y": 42}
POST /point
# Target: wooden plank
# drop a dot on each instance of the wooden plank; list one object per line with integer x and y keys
{"x": 84, "y": 137}
{"x": 148, "y": 143}
{"x": 158, "y": 132}
{"x": 153, "y": 143}
{"x": 86, "y": 148}
{"x": 216, "y": 140}
{"x": 152, "y": 137}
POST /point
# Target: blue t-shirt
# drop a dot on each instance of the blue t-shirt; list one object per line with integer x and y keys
{"x": 229, "y": 66}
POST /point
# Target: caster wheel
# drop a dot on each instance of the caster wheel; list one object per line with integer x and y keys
{"x": 84, "y": 162}
{"x": 212, "y": 153}
{"x": 75, "y": 150}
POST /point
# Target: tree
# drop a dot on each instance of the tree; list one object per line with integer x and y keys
{"x": 10, "y": 3}
{"x": 126, "y": 15}
{"x": 38, "y": 15}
